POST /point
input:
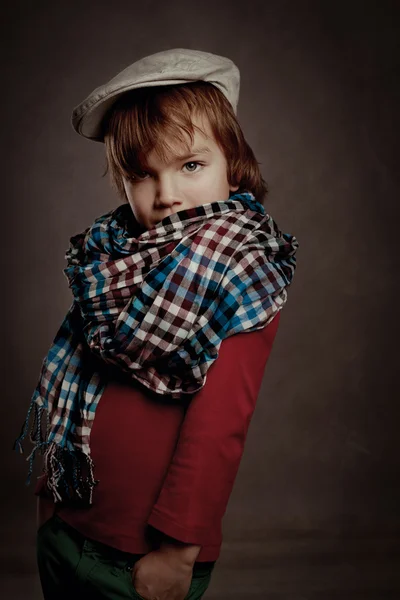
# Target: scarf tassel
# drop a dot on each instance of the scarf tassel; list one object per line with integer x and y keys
{"x": 59, "y": 463}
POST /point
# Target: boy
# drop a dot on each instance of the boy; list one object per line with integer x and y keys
{"x": 135, "y": 486}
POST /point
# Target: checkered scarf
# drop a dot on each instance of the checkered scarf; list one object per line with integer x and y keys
{"x": 156, "y": 307}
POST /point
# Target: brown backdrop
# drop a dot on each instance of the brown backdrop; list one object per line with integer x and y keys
{"x": 319, "y": 104}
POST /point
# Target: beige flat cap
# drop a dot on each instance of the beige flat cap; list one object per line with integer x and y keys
{"x": 175, "y": 66}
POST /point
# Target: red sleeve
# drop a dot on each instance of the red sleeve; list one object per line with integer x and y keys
{"x": 200, "y": 477}
{"x": 41, "y": 488}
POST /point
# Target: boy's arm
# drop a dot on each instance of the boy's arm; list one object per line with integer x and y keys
{"x": 44, "y": 510}
{"x": 200, "y": 477}
{"x": 45, "y": 506}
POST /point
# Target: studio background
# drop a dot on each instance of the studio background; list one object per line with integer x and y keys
{"x": 314, "y": 513}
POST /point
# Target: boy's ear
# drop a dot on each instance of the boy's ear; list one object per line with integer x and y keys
{"x": 233, "y": 188}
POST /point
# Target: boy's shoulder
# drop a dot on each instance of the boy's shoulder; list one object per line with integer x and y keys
{"x": 257, "y": 338}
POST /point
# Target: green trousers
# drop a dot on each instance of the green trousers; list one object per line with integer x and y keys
{"x": 75, "y": 567}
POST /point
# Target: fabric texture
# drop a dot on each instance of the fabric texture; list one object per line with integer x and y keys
{"x": 182, "y": 460}
{"x": 169, "y": 67}
{"x": 71, "y": 565}
{"x": 156, "y": 306}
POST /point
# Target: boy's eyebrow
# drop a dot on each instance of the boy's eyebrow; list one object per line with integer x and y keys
{"x": 202, "y": 150}
{"x": 178, "y": 158}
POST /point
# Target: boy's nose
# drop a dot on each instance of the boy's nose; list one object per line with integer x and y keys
{"x": 167, "y": 193}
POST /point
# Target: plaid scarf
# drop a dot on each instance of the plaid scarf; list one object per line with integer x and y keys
{"x": 155, "y": 306}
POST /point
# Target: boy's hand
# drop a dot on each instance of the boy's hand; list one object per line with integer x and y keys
{"x": 165, "y": 574}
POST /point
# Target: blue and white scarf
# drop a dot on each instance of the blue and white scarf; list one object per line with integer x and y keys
{"x": 155, "y": 306}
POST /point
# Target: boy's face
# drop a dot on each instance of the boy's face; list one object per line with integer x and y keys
{"x": 197, "y": 177}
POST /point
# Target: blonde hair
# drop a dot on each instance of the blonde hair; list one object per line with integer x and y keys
{"x": 146, "y": 118}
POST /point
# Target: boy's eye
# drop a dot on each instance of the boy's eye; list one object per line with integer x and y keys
{"x": 192, "y": 162}
{"x": 139, "y": 175}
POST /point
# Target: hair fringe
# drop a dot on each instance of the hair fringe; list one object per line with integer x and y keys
{"x": 146, "y": 118}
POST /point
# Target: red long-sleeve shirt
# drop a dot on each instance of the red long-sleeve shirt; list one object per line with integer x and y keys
{"x": 163, "y": 469}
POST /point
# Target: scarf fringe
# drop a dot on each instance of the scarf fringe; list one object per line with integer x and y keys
{"x": 120, "y": 319}
{"x": 69, "y": 472}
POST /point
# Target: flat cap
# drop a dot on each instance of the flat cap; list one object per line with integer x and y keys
{"x": 175, "y": 66}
